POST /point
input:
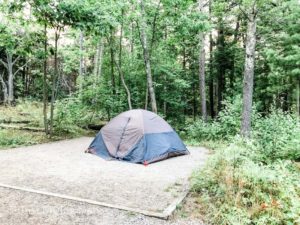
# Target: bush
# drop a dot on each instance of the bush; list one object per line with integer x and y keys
{"x": 235, "y": 189}
{"x": 277, "y": 136}
{"x": 71, "y": 116}
{"x": 251, "y": 181}
{"x": 226, "y": 126}
{"x": 199, "y": 131}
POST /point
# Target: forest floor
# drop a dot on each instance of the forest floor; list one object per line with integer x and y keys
{"x": 63, "y": 168}
{"x": 22, "y": 125}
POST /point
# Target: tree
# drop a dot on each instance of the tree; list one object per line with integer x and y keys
{"x": 202, "y": 67}
{"x": 282, "y": 56}
{"x": 143, "y": 29}
{"x": 13, "y": 42}
{"x": 119, "y": 63}
{"x": 45, "y": 90}
{"x": 251, "y": 16}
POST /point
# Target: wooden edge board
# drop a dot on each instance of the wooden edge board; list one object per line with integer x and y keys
{"x": 172, "y": 207}
{"x": 164, "y": 215}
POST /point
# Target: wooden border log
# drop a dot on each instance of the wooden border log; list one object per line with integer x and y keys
{"x": 32, "y": 129}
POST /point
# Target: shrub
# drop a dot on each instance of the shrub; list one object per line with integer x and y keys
{"x": 235, "y": 189}
{"x": 199, "y": 131}
{"x": 71, "y": 116}
{"x": 225, "y": 127}
{"x": 252, "y": 181}
{"x": 277, "y": 136}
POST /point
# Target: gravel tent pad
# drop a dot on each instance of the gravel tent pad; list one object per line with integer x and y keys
{"x": 24, "y": 208}
{"x": 62, "y": 168}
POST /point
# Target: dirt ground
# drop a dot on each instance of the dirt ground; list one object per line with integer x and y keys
{"x": 62, "y": 168}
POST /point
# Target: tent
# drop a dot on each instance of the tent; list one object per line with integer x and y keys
{"x": 137, "y": 136}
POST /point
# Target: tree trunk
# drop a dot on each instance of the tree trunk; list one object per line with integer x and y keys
{"x": 113, "y": 83}
{"x": 248, "y": 75}
{"x": 119, "y": 66}
{"x": 147, "y": 58}
{"x": 298, "y": 97}
{"x": 211, "y": 80}
{"x": 131, "y": 42}
{"x": 54, "y": 77}
{"x": 98, "y": 59}
{"x": 235, "y": 40}
{"x": 4, "y": 89}
{"x": 146, "y": 97}
{"x": 184, "y": 61}
{"x": 124, "y": 85}
{"x": 10, "y": 78}
{"x": 154, "y": 28}
{"x": 202, "y": 68}
{"x": 81, "y": 62}
{"x": 221, "y": 65}
{"x": 45, "y": 89}
{"x": 10, "y": 82}
{"x": 165, "y": 92}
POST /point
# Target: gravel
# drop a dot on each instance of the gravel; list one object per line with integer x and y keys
{"x": 63, "y": 168}
{"x": 23, "y": 208}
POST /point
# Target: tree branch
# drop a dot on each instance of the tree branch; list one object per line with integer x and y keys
{"x": 1, "y": 78}
{"x": 21, "y": 67}
{"x": 4, "y": 64}
{"x": 16, "y": 60}
{"x": 244, "y": 12}
{"x": 206, "y": 3}
{"x": 154, "y": 26}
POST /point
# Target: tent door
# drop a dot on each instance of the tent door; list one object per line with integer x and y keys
{"x": 121, "y": 138}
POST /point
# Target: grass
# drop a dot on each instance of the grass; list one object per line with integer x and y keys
{"x": 14, "y": 138}
{"x": 24, "y": 111}
{"x": 26, "y": 114}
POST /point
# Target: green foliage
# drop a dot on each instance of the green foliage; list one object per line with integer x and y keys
{"x": 97, "y": 96}
{"x": 226, "y": 126}
{"x": 26, "y": 110}
{"x": 10, "y": 138}
{"x": 87, "y": 107}
{"x": 235, "y": 189}
{"x": 251, "y": 181}
{"x": 278, "y": 136}
{"x": 71, "y": 116}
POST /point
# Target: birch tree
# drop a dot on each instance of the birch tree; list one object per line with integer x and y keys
{"x": 12, "y": 41}
{"x": 144, "y": 42}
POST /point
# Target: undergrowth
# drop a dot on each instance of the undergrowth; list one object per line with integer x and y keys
{"x": 29, "y": 114}
{"x": 14, "y": 138}
{"x": 253, "y": 181}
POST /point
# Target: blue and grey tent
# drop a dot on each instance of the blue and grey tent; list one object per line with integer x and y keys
{"x": 137, "y": 136}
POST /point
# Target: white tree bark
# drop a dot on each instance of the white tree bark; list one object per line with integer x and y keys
{"x": 10, "y": 78}
{"x": 147, "y": 58}
{"x": 98, "y": 59}
{"x": 202, "y": 67}
{"x": 81, "y": 62}
{"x": 124, "y": 85}
{"x": 9, "y": 65}
{"x": 249, "y": 75}
{"x": 298, "y": 97}
{"x": 4, "y": 89}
